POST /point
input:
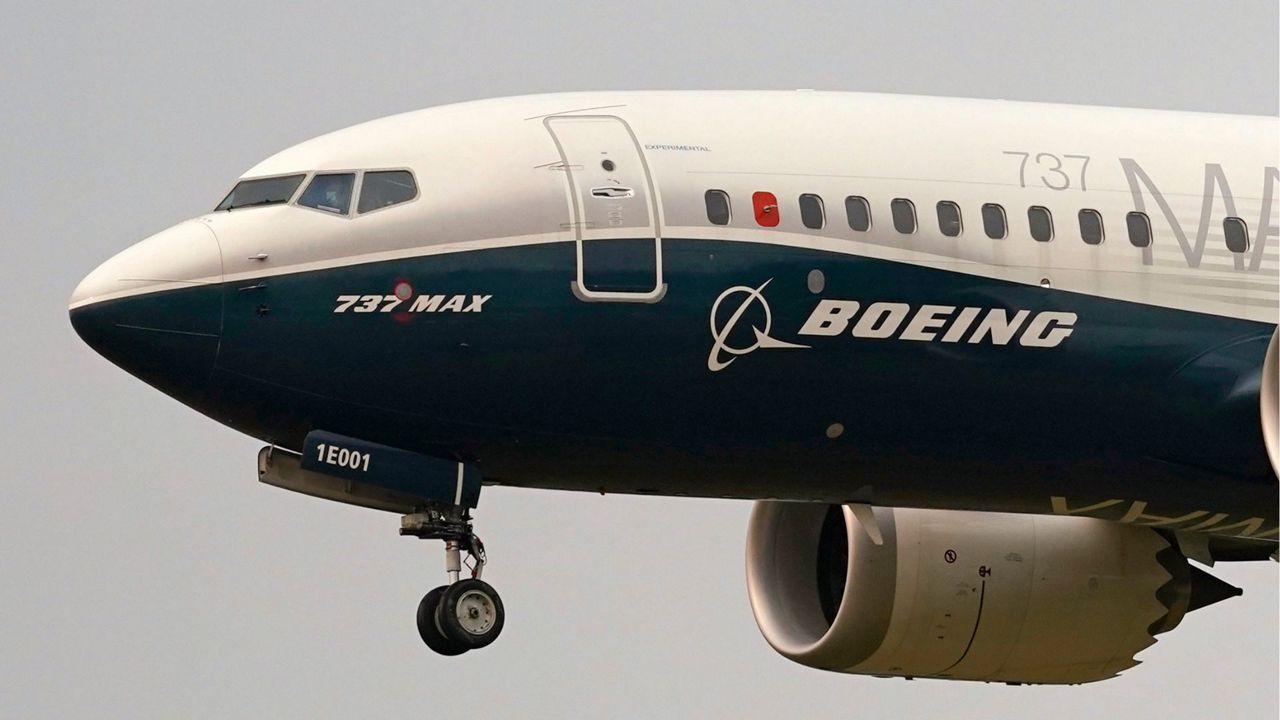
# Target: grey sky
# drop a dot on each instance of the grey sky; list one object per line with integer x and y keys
{"x": 146, "y": 573}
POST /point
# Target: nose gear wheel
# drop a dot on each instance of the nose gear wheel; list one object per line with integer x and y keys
{"x": 470, "y": 613}
{"x": 429, "y": 630}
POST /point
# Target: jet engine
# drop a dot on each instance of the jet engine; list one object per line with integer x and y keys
{"x": 1269, "y": 397}
{"x": 964, "y": 595}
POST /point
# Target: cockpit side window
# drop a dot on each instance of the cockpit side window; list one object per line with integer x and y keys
{"x": 383, "y": 188}
{"x": 262, "y": 191}
{"x": 331, "y": 193}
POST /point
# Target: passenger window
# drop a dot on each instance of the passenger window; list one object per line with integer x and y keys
{"x": 1139, "y": 229}
{"x": 383, "y": 188}
{"x": 717, "y": 207}
{"x": 993, "y": 221}
{"x": 904, "y": 215}
{"x": 765, "y": 205}
{"x": 949, "y": 218}
{"x": 331, "y": 193}
{"x": 1041, "y": 221}
{"x": 859, "y": 213}
{"x": 811, "y": 212}
{"x": 1091, "y": 227}
{"x": 1237, "y": 234}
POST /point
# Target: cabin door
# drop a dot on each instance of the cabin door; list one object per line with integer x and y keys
{"x": 614, "y": 211}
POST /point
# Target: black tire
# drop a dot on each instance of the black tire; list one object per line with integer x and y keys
{"x": 470, "y": 614}
{"x": 430, "y": 631}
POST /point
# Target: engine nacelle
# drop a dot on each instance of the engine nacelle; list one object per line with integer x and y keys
{"x": 961, "y": 595}
{"x": 1269, "y": 399}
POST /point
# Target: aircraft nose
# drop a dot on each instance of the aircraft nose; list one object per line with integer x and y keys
{"x": 155, "y": 309}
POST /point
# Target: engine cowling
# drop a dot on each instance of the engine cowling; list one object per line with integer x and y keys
{"x": 1269, "y": 399}
{"x": 962, "y": 595}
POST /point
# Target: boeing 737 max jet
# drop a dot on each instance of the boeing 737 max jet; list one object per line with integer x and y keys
{"x": 993, "y": 372}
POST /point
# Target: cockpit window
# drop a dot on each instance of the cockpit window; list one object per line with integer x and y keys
{"x": 331, "y": 193}
{"x": 384, "y": 188}
{"x": 265, "y": 191}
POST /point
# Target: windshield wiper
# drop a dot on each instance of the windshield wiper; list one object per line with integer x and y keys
{"x": 256, "y": 203}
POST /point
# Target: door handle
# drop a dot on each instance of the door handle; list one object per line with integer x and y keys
{"x": 612, "y": 192}
{"x": 259, "y": 256}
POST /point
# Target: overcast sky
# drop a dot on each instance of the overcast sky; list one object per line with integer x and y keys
{"x": 144, "y": 572}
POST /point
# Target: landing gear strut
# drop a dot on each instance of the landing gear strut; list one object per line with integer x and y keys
{"x": 465, "y": 614}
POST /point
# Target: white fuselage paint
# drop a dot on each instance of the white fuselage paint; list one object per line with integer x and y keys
{"x": 490, "y": 176}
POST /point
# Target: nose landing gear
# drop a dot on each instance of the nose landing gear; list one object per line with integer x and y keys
{"x": 465, "y": 614}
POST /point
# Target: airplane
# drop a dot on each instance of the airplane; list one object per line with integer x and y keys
{"x": 992, "y": 372}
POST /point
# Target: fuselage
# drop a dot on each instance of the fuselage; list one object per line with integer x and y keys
{"x": 891, "y": 300}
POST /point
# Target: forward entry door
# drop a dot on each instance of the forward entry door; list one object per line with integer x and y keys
{"x": 614, "y": 209}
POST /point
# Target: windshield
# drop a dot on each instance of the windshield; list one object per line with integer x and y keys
{"x": 331, "y": 193}
{"x": 267, "y": 191}
{"x": 381, "y": 189}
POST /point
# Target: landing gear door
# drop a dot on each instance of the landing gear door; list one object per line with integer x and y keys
{"x": 614, "y": 209}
